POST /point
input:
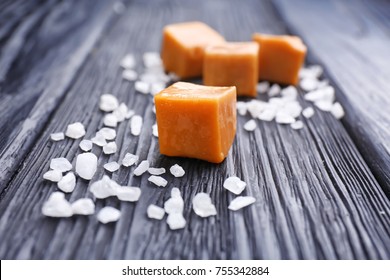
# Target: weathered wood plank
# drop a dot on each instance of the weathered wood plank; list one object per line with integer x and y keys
{"x": 352, "y": 41}
{"x": 316, "y": 197}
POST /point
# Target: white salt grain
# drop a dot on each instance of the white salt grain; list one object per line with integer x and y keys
{"x": 337, "y": 110}
{"x": 120, "y": 112}
{"x": 308, "y": 112}
{"x": 110, "y": 120}
{"x": 202, "y": 205}
{"x": 111, "y": 166}
{"x": 308, "y": 84}
{"x": 104, "y": 188}
{"x": 129, "y": 75}
{"x": 297, "y": 125}
{"x": 141, "y": 168}
{"x": 155, "y": 130}
{"x": 176, "y": 221}
{"x": 86, "y": 145}
{"x": 324, "y": 105}
{"x": 53, "y": 175}
{"x": 174, "y": 205}
{"x": 241, "y": 108}
{"x": 58, "y": 136}
{"x": 107, "y": 133}
{"x": 292, "y": 108}
{"x": 136, "y": 125}
{"x": 129, "y": 160}
{"x": 128, "y": 193}
{"x": 240, "y": 202}
{"x": 108, "y": 103}
{"x": 289, "y": 93}
{"x": 267, "y": 115}
{"x": 262, "y": 87}
{"x": 99, "y": 139}
{"x": 83, "y": 206}
{"x": 255, "y": 107}
{"x": 61, "y": 164}
{"x": 86, "y": 165}
{"x": 175, "y": 193}
{"x": 57, "y": 206}
{"x": 250, "y": 125}
{"x": 234, "y": 185}
{"x": 67, "y": 183}
{"x": 274, "y": 90}
{"x": 108, "y": 214}
{"x": 284, "y": 118}
{"x": 142, "y": 87}
{"x": 158, "y": 181}
{"x": 156, "y": 88}
{"x": 128, "y": 61}
{"x": 129, "y": 114}
{"x": 151, "y": 59}
{"x": 155, "y": 212}
{"x": 177, "y": 171}
{"x": 110, "y": 148}
{"x": 156, "y": 171}
{"x": 75, "y": 130}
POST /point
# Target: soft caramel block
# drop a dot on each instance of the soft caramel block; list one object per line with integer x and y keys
{"x": 280, "y": 58}
{"x": 196, "y": 121}
{"x": 232, "y": 64}
{"x": 183, "y": 47}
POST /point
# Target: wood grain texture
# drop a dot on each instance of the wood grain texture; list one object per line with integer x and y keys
{"x": 352, "y": 41}
{"x": 316, "y": 197}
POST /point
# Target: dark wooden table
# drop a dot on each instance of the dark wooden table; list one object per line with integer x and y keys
{"x": 322, "y": 192}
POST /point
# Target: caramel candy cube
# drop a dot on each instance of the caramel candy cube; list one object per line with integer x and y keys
{"x": 183, "y": 47}
{"x": 280, "y": 58}
{"x": 232, "y": 64}
{"x": 196, "y": 121}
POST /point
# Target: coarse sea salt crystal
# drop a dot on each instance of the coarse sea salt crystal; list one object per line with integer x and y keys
{"x": 250, "y": 125}
{"x": 323, "y": 94}
{"x": 67, "y": 183}
{"x": 156, "y": 171}
{"x": 176, "y": 221}
{"x": 289, "y": 93}
{"x": 99, "y": 139}
{"x": 155, "y": 130}
{"x": 58, "y": 136}
{"x": 108, "y": 103}
{"x": 241, "y": 108}
{"x": 129, "y": 160}
{"x": 337, "y": 110}
{"x": 104, "y": 188}
{"x": 314, "y": 71}
{"x": 240, "y": 202}
{"x": 158, "y": 181}
{"x": 308, "y": 84}
{"x": 174, "y": 205}
{"x": 308, "y": 112}
{"x": 128, "y": 193}
{"x": 292, "y": 108}
{"x": 129, "y": 75}
{"x": 129, "y": 114}
{"x": 75, "y": 130}
{"x": 142, "y": 87}
{"x": 110, "y": 120}
{"x": 262, "y": 87}
{"x": 128, "y": 61}
{"x": 141, "y": 168}
{"x": 86, "y": 145}
{"x": 324, "y": 105}
{"x": 156, "y": 88}
{"x": 107, "y": 133}
{"x": 86, "y": 165}
{"x": 177, "y": 171}
{"x": 255, "y": 107}
{"x": 110, "y": 148}
{"x": 274, "y": 90}
{"x": 284, "y": 118}
{"x": 61, "y": 164}
{"x": 53, "y": 175}
{"x": 151, "y": 59}
{"x": 83, "y": 206}
{"x": 175, "y": 192}
{"x": 120, "y": 112}
{"x": 234, "y": 185}
{"x": 108, "y": 214}
{"x": 57, "y": 206}
{"x": 202, "y": 205}
{"x": 297, "y": 125}
{"x": 155, "y": 212}
{"x": 136, "y": 125}
{"x": 111, "y": 166}
{"x": 268, "y": 114}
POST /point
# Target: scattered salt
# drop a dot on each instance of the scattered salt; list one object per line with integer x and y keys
{"x": 53, "y": 175}
{"x": 108, "y": 103}
{"x": 67, "y": 183}
{"x": 337, "y": 110}
{"x": 99, "y": 139}
{"x": 108, "y": 214}
{"x": 177, "y": 171}
{"x": 83, "y": 206}
{"x": 289, "y": 93}
{"x": 136, "y": 125}
{"x": 156, "y": 171}
{"x": 250, "y": 125}
{"x": 142, "y": 168}
{"x": 292, "y": 108}
{"x": 155, "y": 212}
{"x": 297, "y": 125}
{"x": 110, "y": 148}
{"x": 156, "y": 88}
{"x": 176, "y": 221}
{"x": 240, "y": 202}
{"x": 234, "y": 185}
{"x": 309, "y": 84}
{"x": 268, "y": 114}
{"x": 141, "y": 87}
{"x": 324, "y": 105}
{"x": 86, "y": 145}
{"x": 274, "y": 90}
{"x": 241, "y": 108}
{"x": 86, "y": 165}
{"x": 155, "y": 130}
{"x": 308, "y": 112}
{"x": 151, "y": 59}
{"x": 283, "y": 118}
{"x": 262, "y": 87}
{"x": 174, "y": 205}
{"x": 129, "y": 114}
{"x": 107, "y": 133}
{"x": 110, "y": 120}
{"x": 75, "y": 130}
{"x": 120, "y": 112}
{"x": 111, "y": 166}
{"x": 314, "y": 71}
{"x": 58, "y": 136}
{"x": 129, "y": 160}
{"x": 61, "y": 164}
{"x": 129, "y": 75}
{"x": 128, "y": 61}
{"x": 128, "y": 193}
{"x": 158, "y": 181}
{"x": 104, "y": 188}
{"x": 203, "y": 205}
{"x": 57, "y": 206}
